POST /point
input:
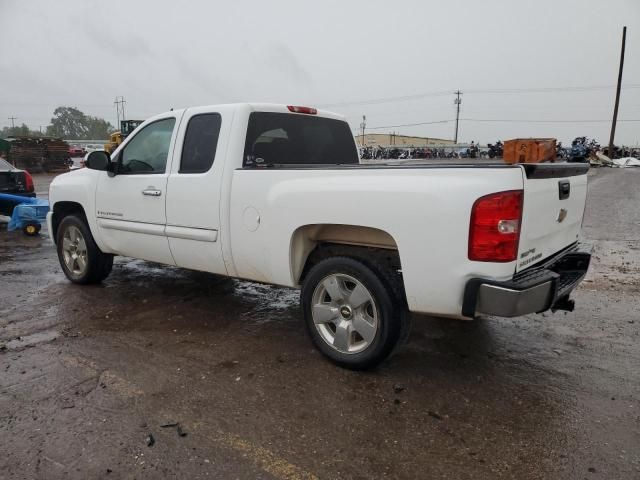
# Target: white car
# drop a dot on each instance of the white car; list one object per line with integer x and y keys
{"x": 277, "y": 194}
{"x": 76, "y": 162}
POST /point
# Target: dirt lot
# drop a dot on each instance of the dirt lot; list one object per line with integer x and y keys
{"x": 89, "y": 374}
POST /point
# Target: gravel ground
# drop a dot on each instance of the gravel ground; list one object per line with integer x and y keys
{"x": 93, "y": 380}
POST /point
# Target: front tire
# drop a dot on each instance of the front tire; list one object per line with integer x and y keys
{"x": 80, "y": 258}
{"x": 352, "y": 312}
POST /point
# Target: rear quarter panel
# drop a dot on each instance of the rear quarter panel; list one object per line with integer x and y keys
{"x": 425, "y": 210}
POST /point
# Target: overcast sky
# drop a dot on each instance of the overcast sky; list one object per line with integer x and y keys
{"x": 354, "y": 57}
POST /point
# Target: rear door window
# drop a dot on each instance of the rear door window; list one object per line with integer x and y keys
{"x": 295, "y": 139}
{"x": 200, "y": 143}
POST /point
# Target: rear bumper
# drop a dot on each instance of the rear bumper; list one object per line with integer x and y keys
{"x": 534, "y": 290}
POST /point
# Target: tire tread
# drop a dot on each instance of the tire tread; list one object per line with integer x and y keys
{"x": 389, "y": 298}
{"x": 100, "y": 264}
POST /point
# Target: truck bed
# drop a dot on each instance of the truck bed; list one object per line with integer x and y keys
{"x": 532, "y": 170}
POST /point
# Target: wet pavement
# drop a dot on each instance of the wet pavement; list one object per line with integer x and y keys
{"x": 219, "y": 377}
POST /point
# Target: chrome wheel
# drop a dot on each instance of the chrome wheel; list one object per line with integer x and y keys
{"x": 74, "y": 251}
{"x": 344, "y": 313}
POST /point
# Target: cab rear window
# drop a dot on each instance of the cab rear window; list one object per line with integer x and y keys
{"x": 294, "y": 139}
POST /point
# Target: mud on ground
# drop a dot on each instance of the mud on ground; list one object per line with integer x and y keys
{"x": 165, "y": 373}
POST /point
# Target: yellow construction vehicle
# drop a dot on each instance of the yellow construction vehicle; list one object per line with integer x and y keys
{"x": 116, "y": 138}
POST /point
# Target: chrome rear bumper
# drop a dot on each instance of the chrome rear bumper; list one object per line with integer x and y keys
{"x": 539, "y": 288}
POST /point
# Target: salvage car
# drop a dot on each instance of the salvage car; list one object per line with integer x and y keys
{"x": 277, "y": 194}
{"x": 16, "y": 182}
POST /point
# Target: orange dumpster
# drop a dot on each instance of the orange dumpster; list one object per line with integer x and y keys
{"x": 529, "y": 150}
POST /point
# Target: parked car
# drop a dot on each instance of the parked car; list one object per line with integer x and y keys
{"x": 75, "y": 162}
{"x": 276, "y": 194}
{"x": 76, "y": 151}
{"x": 14, "y": 181}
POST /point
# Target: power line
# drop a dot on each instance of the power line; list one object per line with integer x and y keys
{"x": 40, "y": 104}
{"x": 387, "y": 100}
{"x": 551, "y": 89}
{"x": 410, "y": 124}
{"x": 496, "y": 120}
{"x": 13, "y": 125}
{"x": 404, "y": 98}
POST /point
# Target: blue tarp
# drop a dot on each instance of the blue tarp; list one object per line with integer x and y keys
{"x": 27, "y": 210}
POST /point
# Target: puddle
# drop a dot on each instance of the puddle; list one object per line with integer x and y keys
{"x": 268, "y": 301}
{"x": 144, "y": 267}
{"x": 273, "y": 297}
{"x": 31, "y": 340}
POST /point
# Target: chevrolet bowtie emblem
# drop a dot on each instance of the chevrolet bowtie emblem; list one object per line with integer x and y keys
{"x": 562, "y": 214}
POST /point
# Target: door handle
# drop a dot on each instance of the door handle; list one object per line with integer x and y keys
{"x": 152, "y": 192}
{"x": 564, "y": 189}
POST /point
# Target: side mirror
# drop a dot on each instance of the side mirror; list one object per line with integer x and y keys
{"x": 98, "y": 160}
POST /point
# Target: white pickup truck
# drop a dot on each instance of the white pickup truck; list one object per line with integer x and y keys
{"x": 277, "y": 194}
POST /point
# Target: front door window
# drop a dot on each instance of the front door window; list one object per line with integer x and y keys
{"x": 147, "y": 152}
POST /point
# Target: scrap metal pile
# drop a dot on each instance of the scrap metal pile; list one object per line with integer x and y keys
{"x": 38, "y": 154}
{"x": 585, "y": 150}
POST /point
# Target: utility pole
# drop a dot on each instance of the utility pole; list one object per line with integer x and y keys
{"x": 457, "y": 103}
{"x": 13, "y": 119}
{"x": 363, "y": 125}
{"x": 119, "y": 103}
{"x": 615, "y": 108}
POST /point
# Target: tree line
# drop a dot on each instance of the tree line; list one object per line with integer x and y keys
{"x": 67, "y": 122}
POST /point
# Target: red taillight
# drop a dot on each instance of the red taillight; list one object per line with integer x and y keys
{"x": 297, "y": 109}
{"x": 495, "y": 227}
{"x": 28, "y": 182}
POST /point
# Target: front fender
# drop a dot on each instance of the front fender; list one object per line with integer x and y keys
{"x": 79, "y": 187}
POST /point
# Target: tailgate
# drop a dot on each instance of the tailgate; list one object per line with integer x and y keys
{"x": 554, "y": 200}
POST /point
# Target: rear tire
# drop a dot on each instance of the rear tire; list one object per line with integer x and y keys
{"x": 351, "y": 312}
{"x": 80, "y": 258}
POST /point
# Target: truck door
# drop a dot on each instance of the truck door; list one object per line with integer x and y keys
{"x": 194, "y": 190}
{"x": 130, "y": 206}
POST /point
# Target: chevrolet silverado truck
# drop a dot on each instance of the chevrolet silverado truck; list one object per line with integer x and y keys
{"x": 277, "y": 194}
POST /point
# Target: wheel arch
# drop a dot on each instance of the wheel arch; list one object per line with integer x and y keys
{"x": 310, "y": 243}
{"x": 62, "y": 209}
